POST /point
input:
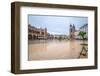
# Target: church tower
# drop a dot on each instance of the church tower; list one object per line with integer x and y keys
{"x": 72, "y": 31}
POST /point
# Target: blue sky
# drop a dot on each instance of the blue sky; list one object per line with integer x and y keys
{"x": 56, "y": 24}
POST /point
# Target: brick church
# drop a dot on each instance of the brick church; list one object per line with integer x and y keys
{"x": 72, "y": 31}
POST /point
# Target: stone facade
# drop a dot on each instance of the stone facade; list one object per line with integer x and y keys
{"x": 84, "y": 28}
{"x": 36, "y": 33}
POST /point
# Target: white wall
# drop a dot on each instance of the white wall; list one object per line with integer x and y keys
{"x": 5, "y": 42}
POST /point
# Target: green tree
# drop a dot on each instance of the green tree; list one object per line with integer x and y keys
{"x": 82, "y": 35}
{"x": 84, "y": 45}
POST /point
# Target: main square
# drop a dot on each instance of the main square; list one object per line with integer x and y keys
{"x": 52, "y": 37}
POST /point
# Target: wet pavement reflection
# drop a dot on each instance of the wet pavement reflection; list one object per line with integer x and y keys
{"x": 54, "y": 49}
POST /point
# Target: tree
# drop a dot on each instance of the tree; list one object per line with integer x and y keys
{"x": 84, "y": 45}
{"x": 82, "y": 35}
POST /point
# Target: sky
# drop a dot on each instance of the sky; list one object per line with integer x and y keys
{"x": 56, "y": 24}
